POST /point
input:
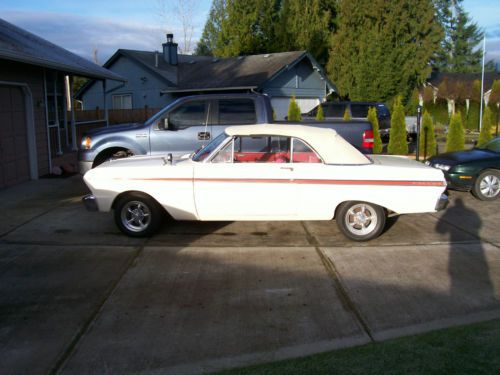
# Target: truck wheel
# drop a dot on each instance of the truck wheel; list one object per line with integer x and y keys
{"x": 138, "y": 215}
{"x": 360, "y": 221}
{"x": 487, "y": 185}
{"x": 110, "y": 155}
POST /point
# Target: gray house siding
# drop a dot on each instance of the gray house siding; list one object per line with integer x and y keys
{"x": 144, "y": 87}
{"x": 301, "y": 81}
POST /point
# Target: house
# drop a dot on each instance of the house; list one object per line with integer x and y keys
{"x": 466, "y": 79}
{"x": 155, "y": 79}
{"x": 35, "y": 78}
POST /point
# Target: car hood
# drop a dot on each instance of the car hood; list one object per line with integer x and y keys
{"x": 458, "y": 157}
{"x": 113, "y": 129}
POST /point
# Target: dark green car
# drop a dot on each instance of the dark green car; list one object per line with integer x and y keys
{"x": 476, "y": 170}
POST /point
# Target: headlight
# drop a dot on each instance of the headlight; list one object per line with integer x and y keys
{"x": 86, "y": 143}
{"x": 443, "y": 167}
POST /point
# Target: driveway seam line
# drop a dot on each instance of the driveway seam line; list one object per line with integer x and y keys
{"x": 65, "y": 356}
{"x": 33, "y": 218}
{"x": 345, "y": 299}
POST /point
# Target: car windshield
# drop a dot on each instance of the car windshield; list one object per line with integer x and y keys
{"x": 493, "y": 145}
{"x": 201, "y": 155}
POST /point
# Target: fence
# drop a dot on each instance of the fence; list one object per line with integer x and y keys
{"x": 116, "y": 116}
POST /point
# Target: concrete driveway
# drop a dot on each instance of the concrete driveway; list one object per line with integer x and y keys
{"x": 76, "y": 296}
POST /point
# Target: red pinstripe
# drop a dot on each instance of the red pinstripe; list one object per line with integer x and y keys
{"x": 299, "y": 181}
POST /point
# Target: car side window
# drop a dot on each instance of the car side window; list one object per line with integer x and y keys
{"x": 188, "y": 114}
{"x": 302, "y": 153}
{"x": 225, "y": 154}
{"x": 237, "y": 112}
{"x": 255, "y": 149}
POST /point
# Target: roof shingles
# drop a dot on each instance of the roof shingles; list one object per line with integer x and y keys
{"x": 20, "y": 45}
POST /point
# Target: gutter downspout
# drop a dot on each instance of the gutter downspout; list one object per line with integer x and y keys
{"x": 47, "y": 119}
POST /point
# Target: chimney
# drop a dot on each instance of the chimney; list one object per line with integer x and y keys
{"x": 170, "y": 50}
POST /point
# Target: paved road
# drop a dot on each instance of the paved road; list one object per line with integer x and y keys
{"x": 76, "y": 296}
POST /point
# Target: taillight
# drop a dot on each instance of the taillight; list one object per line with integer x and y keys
{"x": 368, "y": 139}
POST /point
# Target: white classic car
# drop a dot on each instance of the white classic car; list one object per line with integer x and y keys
{"x": 266, "y": 172}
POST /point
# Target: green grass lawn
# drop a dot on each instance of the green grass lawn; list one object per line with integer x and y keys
{"x": 473, "y": 349}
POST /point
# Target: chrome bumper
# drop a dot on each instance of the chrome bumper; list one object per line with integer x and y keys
{"x": 442, "y": 202}
{"x": 90, "y": 202}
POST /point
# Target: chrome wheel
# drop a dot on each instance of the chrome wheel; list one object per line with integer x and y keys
{"x": 361, "y": 219}
{"x": 135, "y": 216}
{"x": 138, "y": 214}
{"x": 489, "y": 186}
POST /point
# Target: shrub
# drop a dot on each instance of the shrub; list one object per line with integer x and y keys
{"x": 377, "y": 142}
{"x": 319, "y": 114}
{"x": 398, "y": 136}
{"x": 455, "y": 141}
{"x": 413, "y": 102}
{"x": 427, "y": 145}
{"x": 485, "y": 134}
{"x": 347, "y": 114}
{"x": 294, "y": 113}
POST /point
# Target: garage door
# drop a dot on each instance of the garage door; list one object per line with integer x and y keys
{"x": 14, "y": 160}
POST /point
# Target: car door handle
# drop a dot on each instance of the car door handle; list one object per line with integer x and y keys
{"x": 287, "y": 168}
{"x": 204, "y": 136}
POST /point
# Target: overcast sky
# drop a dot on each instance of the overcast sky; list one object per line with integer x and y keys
{"x": 82, "y": 26}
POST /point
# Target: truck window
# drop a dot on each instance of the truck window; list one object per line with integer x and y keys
{"x": 359, "y": 110}
{"x": 188, "y": 114}
{"x": 237, "y": 112}
{"x": 333, "y": 109}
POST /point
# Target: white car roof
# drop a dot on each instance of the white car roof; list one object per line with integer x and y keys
{"x": 332, "y": 148}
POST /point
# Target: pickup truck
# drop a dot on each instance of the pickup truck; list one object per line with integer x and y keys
{"x": 190, "y": 122}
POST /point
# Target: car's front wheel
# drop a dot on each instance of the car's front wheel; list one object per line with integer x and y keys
{"x": 360, "y": 221}
{"x": 138, "y": 215}
{"x": 487, "y": 185}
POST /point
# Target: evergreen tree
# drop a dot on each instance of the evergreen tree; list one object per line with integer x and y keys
{"x": 428, "y": 143}
{"x": 382, "y": 48}
{"x": 495, "y": 100}
{"x": 397, "y": 135}
{"x": 377, "y": 142}
{"x": 319, "y": 114}
{"x": 347, "y": 114}
{"x": 305, "y": 25}
{"x": 413, "y": 102}
{"x": 294, "y": 113}
{"x": 485, "y": 134}
{"x": 243, "y": 27}
{"x": 455, "y": 141}
{"x": 212, "y": 41}
{"x": 458, "y": 52}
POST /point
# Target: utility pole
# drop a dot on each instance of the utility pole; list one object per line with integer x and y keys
{"x": 482, "y": 86}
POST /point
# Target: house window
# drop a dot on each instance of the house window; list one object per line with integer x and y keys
{"x": 122, "y": 101}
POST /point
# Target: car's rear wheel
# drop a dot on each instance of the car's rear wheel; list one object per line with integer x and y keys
{"x": 487, "y": 185}
{"x": 138, "y": 215}
{"x": 360, "y": 221}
